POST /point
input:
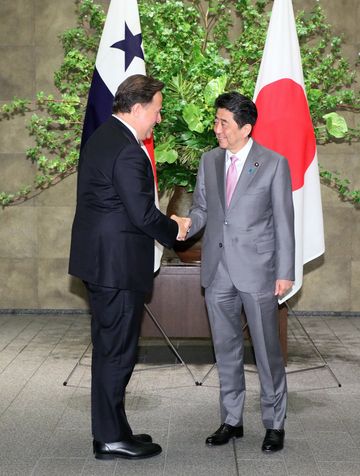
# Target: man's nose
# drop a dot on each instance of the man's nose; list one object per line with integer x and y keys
{"x": 217, "y": 128}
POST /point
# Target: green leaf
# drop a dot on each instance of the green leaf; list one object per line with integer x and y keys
{"x": 164, "y": 155}
{"x": 193, "y": 116}
{"x": 214, "y": 88}
{"x": 197, "y": 56}
{"x": 336, "y": 125}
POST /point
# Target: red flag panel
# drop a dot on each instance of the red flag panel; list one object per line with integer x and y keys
{"x": 284, "y": 125}
{"x": 149, "y": 144}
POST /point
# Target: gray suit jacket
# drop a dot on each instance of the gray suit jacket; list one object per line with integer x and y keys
{"x": 256, "y": 232}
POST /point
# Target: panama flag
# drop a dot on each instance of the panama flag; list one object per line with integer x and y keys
{"x": 120, "y": 55}
{"x": 284, "y": 125}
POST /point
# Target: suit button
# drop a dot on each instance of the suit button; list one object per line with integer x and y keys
{"x": 226, "y": 222}
{"x": 220, "y": 245}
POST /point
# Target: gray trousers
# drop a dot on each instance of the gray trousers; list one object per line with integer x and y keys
{"x": 224, "y": 304}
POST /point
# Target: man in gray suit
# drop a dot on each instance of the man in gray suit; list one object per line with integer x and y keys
{"x": 243, "y": 198}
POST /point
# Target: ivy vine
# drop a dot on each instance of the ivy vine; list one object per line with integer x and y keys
{"x": 56, "y": 122}
{"x": 188, "y": 47}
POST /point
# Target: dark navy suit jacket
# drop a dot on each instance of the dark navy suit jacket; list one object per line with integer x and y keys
{"x": 116, "y": 220}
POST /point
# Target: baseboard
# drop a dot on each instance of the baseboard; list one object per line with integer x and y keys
{"x": 87, "y": 312}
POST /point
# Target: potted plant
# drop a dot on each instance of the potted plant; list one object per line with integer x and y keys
{"x": 189, "y": 48}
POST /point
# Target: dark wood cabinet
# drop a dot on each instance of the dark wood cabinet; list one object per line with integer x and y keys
{"x": 178, "y": 303}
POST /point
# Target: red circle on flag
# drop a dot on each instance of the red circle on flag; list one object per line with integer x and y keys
{"x": 284, "y": 125}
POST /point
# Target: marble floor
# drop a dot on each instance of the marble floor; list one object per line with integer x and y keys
{"x": 45, "y": 426}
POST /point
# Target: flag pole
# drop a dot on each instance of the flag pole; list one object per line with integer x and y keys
{"x": 319, "y": 354}
{"x": 170, "y": 344}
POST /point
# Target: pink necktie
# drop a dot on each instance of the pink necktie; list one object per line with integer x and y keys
{"x": 231, "y": 179}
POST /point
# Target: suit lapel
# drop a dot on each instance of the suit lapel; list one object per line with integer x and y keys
{"x": 220, "y": 175}
{"x": 251, "y": 167}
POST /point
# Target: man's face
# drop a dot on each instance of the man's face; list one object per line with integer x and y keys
{"x": 229, "y": 135}
{"x": 148, "y": 115}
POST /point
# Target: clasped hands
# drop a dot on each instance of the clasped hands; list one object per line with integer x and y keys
{"x": 184, "y": 225}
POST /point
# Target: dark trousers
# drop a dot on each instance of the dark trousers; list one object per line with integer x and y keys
{"x": 115, "y": 329}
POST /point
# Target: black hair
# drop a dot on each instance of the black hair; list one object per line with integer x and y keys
{"x": 135, "y": 89}
{"x": 243, "y": 108}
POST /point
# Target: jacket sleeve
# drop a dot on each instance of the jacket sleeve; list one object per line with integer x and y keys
{"x": 283, "y": 214}
{"x": 198, "y": 210}
{"x": 134, "y": 183}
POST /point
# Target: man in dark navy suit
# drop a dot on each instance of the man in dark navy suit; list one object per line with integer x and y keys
{"x": 112, "y": 251}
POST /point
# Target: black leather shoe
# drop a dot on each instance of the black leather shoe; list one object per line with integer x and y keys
{"x": 142, "y": 437}
{"x": 128, "y": 449}
{"x": 273, "y": 441}
{"x": 224, "y": 434}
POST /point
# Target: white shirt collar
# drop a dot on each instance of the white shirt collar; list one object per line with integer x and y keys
{"x": 131, "y": 129}
{"x": 242, "y": 153}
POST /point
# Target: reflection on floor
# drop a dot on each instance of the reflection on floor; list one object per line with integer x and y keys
{"x": 45, "y": 426}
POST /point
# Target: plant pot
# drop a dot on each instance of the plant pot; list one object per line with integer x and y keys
{"x": 188, "y": 251}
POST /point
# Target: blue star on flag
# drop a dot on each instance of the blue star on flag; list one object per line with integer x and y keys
{"x": 131, "y": 46}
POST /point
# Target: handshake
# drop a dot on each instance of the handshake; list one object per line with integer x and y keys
{"x": 184, "y": 225}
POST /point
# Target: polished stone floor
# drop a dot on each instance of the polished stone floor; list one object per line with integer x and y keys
{"x": 45, "y": 426}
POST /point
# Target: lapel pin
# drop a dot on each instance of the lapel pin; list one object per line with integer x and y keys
{"x": 251, "y": 170}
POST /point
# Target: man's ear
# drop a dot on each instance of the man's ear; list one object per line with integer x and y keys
{"x": 247, "y": 129}
{"x": 136, "y": 109}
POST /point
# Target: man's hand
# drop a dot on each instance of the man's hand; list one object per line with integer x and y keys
{"x": 282, "y": 286}
{"x": 184, "y": 224}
